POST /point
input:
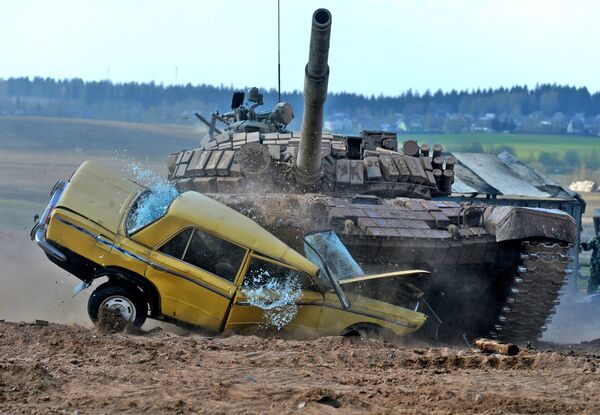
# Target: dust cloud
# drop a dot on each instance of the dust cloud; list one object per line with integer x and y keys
{"x": 573, "y": 322}
{"x": 31, "y": 287}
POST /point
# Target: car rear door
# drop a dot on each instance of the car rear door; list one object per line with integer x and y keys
{"x": 195, "y": 273}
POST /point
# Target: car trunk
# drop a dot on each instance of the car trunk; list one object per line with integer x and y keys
{"x": 99, "y": 195}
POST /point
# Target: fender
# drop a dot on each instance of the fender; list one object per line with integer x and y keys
{"x": 139, "y": 282}
{"x": 514, "y": 223}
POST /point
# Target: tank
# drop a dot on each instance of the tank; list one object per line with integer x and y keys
{"x": 495, "y": 270}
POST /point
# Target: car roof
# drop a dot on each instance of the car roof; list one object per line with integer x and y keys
{"x": 206, "y": 213}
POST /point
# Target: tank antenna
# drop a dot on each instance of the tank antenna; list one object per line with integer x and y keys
{"x": 278, "y": 55}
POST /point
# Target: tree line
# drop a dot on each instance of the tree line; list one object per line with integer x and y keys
{"x": 166, "y": 103}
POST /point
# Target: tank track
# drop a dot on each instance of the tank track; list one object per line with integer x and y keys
{"x": 534, "y": 292}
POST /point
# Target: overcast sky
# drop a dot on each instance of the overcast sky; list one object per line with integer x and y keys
{"x": 376, "y": 47}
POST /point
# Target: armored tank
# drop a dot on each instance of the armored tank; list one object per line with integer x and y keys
{"x": 495, "y": 270}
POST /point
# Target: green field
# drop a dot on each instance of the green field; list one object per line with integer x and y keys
{"x": 527, "y": 146}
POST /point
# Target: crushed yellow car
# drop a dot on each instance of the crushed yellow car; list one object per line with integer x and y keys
{"x": 188, "y": 259}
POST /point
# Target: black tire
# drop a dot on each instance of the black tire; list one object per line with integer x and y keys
{"x": 129, "y": 297}
{"x": 367, "y": 331}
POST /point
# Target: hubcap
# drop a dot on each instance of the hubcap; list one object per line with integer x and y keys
{"x": 121, "y": 304}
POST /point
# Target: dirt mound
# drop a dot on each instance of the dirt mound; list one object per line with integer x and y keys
{"x": 111, "y": 321}
{"x": 58, "y": 368}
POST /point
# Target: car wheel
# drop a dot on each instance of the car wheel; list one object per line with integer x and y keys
{"x": 122, "y": 301}
{"x": 369, "y": 332}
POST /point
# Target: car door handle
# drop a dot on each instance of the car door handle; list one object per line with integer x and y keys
{"x": 159, "y": 267}
{"x": 104, "y": 243}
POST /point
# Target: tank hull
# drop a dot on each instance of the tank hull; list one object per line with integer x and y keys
{"x": 479, "y": 286}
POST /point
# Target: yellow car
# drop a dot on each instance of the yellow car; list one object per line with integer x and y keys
{"x": 188, "y": 259}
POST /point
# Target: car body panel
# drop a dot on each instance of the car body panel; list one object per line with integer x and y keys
{"x": 84, "y": 237}
{"x": 246, "y": 317}
{"x": 399, "y": 320}
{"x": 189, "y": 293}
{"x": 80, "y": 234}
{"x": 99, "y": 194}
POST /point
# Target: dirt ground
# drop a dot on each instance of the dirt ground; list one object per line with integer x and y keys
{"x": 72, "y": 369}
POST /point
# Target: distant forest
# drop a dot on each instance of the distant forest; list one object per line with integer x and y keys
{"x": 546, "y": 108}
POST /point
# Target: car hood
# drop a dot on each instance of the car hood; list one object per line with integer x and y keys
{"x": 381, "y": 309}
{"x": 99, "y": 195}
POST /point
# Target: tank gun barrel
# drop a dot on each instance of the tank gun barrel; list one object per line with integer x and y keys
{"x": 210, "y": 125}
{"x": 316, "y": 75}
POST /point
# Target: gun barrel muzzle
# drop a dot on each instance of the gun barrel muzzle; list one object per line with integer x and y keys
{"x": 316, "y": 75}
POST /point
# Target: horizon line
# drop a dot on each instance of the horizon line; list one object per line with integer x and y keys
{"x": 274, "y": 89}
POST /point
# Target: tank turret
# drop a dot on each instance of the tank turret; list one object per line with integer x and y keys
{"x": 316, "y": 75}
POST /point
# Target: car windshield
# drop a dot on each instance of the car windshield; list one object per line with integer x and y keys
{"x": 152, "y": 205}
{"x": 331, "y": 250}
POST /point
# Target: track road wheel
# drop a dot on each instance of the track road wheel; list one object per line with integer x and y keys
{"x": 113, "y": 306}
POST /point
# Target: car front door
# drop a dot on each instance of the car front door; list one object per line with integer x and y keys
{"x": 195, "y": 273}
{"x": 273, "y": 295}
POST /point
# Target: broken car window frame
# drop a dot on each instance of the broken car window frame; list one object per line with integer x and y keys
{"x": 334, "y": 283}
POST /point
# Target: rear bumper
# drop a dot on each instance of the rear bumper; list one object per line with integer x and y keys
{"x": 38, "y": 233}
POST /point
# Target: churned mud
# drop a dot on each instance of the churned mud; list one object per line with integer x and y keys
{"x": 54, "y": 368}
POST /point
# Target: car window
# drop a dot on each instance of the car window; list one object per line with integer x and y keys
{"x": 176, "y": 246}
{"x": 206, "y": 251}
{"x": 150, "y": 207}
{"x": 261, "y": 272}
{"x": 214, "y": 255}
